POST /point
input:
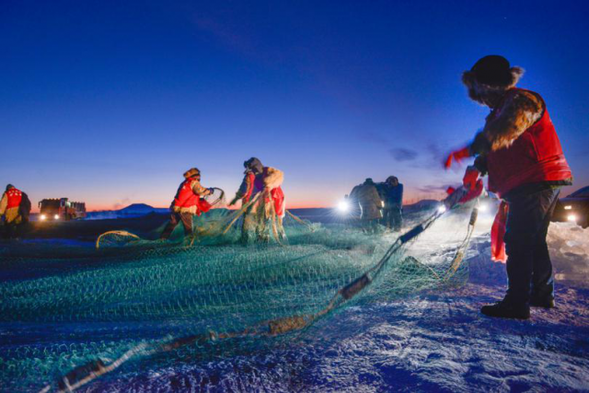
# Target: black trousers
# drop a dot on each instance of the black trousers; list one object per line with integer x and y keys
{"x": 529, "y": 269}
{"x": 175, "y": 219}
{"x": 392, "y": 217}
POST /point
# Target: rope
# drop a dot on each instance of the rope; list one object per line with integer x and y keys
{"x": 122, "y": 233}
{"x": 300, "y": 221}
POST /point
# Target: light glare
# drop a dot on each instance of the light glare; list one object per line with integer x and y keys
{"x": 572, "y": 218}
{"x": 442, "y": 209}
{"x": 343, "y": 206}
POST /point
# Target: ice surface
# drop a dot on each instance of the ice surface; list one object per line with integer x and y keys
{"x": 430, "y": 337}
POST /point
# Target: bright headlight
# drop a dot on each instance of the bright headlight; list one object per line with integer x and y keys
{"x": 343, "y": 206}
{"x": 572, "y": 218}
{"x": 43, "y": 217}
{"x": 56, "y": 216}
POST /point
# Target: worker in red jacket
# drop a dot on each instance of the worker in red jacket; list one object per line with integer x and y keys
{"x": 520, "y": 151}
{"x": 13, "y": 207}
{"x": 186, "y": 203}
{"x": 261, "y": 186}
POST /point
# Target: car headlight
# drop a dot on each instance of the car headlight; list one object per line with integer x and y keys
{"x": 343, "y": 206}
{"x": 568, "y": 207}
{"x": 56, "y": 216}
{"x": 43, "y": 217}
{"x": 572, "y": 218}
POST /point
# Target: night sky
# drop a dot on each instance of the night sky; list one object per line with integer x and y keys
{"x": 110, "y": 102}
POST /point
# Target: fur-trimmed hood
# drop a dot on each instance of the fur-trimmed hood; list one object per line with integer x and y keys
{"x": 486, "y": 94}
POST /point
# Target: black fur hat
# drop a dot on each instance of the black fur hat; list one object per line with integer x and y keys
{"x": 493, "y": 71}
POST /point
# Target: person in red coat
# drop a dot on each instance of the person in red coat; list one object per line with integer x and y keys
{"x": 270, "y": 205}
{"x": 187, "y": 203}
{"x": 520, "y": 151}
{"x": 14, "y": 208}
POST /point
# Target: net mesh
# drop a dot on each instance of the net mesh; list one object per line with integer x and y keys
{"x": 73, "y": 313}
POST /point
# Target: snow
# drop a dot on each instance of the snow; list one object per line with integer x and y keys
{"x": 429, "y": 341}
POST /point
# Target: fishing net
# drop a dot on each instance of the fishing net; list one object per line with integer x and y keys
{"x": 71, "y": 316}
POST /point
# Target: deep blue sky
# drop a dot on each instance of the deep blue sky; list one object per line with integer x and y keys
{"x": 110, "y": 102}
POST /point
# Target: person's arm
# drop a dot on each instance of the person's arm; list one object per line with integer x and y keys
{"x": 244, "y": 189}
{"x": 3, "y": 204}
{"x": 198, "y": 189}
{"x": 273, "y": 179}
{"x": 519, "y": 112}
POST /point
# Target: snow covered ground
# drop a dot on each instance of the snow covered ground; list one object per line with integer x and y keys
{"x": 434, "y": 340}
{"x": 431, "y": 341}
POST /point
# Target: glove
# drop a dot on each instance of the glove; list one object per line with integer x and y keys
{"x": 470, "y": 177}
{"x": 212, "y": 190}
{"x": 457, "y": 156}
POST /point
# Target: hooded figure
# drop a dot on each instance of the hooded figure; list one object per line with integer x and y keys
{"x": 366, "y": 195}
{"x": 262, "y": 197}
{"x": 391, "y": 192}
{"x": 187, "y": 203}
{"x": 520, "y": 151}
{"x": 13, "y": 207}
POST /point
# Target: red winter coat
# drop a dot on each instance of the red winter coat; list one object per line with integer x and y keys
{"x": 535, "y": 156}
{"x": 186, "y": 199}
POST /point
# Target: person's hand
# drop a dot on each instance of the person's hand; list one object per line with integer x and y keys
{"x": 457, "y": 156}
{"x": 211, "y": 190}
{"x": 470, "y": 177}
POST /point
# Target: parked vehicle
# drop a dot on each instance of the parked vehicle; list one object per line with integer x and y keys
{"x": 61, "y": 210}
{"x": 574, "y": 208}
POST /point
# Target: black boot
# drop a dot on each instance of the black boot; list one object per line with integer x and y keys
{"x": 544, "y": 302}
{"x": 507, "y": 309}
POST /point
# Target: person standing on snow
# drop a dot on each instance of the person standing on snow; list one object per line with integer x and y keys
{"x": 267, "y": 206}
{"x": 391, "y": 192}
{"x": 366, "y": 195}
{"x": 13, "y": 209}
{"x": 520, "y": 151}
{"x": 187, "y": 203}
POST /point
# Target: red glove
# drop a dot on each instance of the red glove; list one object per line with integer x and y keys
{"x": 470, "y": 177}
{"x": 458, "y": 156}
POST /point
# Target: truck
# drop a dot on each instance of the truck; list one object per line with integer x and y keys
{"x": 61, "y": 210}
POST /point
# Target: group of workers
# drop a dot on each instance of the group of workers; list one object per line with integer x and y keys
{"x": 380, "y": 203}
{"x": 260, "y": 194}
{"x": 518, "y": 148}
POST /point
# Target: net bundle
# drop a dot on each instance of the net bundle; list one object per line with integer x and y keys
{"x": 167, "y": 302}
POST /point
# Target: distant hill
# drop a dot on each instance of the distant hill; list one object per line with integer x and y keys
{"x": 133, "y": 210}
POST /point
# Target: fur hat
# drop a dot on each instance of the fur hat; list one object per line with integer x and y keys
{"x": 392, "y": 180}
{"x": 254, "y": 164}
{"x": 191, "y": 173}
{"x": 493, "y": 71}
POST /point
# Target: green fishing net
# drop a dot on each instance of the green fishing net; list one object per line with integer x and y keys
{"x": 73, "y": 313}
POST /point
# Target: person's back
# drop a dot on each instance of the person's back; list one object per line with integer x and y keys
{"x": 393, "y": 202}
{"x": 10, "y": 209}
{"x": 369, "y": 200}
